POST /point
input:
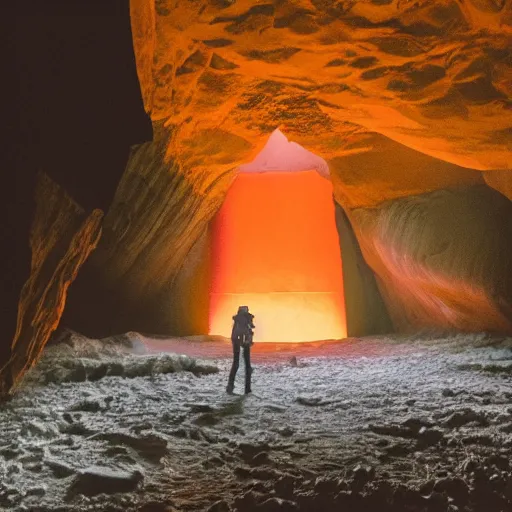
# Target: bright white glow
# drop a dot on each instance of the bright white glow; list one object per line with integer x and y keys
{"x": 281, "y": 155}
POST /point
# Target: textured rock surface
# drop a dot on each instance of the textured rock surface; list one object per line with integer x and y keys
{"x": 221, "y": 71}
{"x": 442, "y": 259}
{"x": 61, "y": 239}
{"x": 77, "y": 107}
{"x": 156, "y": 227}
{"x": 401, "y": 99}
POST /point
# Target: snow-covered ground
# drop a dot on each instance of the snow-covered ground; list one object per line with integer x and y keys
{"x": 364, "y": 424}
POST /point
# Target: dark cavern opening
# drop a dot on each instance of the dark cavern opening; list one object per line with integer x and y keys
{"x": 257, "y": 256}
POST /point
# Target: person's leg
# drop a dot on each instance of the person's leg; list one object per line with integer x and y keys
{"x": 234, "y": 366}
{"x": 248, "y": 368}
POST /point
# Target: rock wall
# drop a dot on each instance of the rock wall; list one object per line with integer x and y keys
{"x": 61, "y": 239}
{"x": 366, "y": 312}
{"x": 148, "y": 259}
{"x": 404, "y": 100}
{"x": 76, "y": 108}
{"x": 443, "y": 259}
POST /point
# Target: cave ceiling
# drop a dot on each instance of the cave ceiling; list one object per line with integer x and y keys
{"x": 334, "y": 76}
{"x": 401, "y": 99}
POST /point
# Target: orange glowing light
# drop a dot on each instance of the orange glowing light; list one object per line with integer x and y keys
{"x": 275, "y": 249}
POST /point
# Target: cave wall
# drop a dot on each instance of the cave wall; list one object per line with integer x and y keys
{"x": 406, "y": 101}
{"x": 402, "y": 99}
{"x": 442, "y": 259}
{"x": 61, "y": 239}
{"x": 433, "y": 76}
{"x": 153, "y": 251}
{"x": 365, "y": 310}
{"x": 74, "y": 107}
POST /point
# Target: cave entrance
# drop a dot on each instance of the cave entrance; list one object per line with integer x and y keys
{"x": 275, "y": 248}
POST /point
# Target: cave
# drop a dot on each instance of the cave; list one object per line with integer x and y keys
{"x": 343, "y": 169}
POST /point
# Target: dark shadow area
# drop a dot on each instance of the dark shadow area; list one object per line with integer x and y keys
{"x": 76, "y": 108}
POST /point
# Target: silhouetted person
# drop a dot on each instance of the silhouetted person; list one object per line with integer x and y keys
{"x": 241, "y": 337}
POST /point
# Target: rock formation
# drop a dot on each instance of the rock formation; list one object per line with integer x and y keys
{"x": 61, "y": 239}
{"x": 76, "y": 107}
{"x": 407, "y": 102}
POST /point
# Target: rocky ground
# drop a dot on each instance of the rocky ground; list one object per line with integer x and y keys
{"x": 128, "y": 424}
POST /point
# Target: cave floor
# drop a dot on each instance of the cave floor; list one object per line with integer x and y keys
{"x": 364, "y": 424}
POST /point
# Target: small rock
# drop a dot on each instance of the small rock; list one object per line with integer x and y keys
{"x": 455, "y": 488}
{"x": 39, "y": 490}
{"x": 285, "y": 486}
{"x": 361, "y": 476}
{"x": 392, "y": 430}
{"x": 76, "y": 429}
{"x": 312, "y": 401}
{"x": 219, "y": 506}
{"x": 427, "y": 487}
{"x": 469, "y": 466}
{"x": 9, "y": 496}
{"x": 416, "y": 424}
{"x": 277, "y": 505}
{"x": 480, "y": 439}
{"x": 461, "y": 418}
{"x": 67, "y": 417}
{"x": 437, "y": 502}
{"x": 293, "y": 361}
{"x": 200, "y": 408}
{"x": 241, "y": 472}
{"x": 101, "y": 479}
{"x": 36, "y": 428}
{"x": 286, "y": 431}
{"x": 87, "y": 405}
{"x": 506, "y": 429}
{"x": 405, "y": 498}
{"x": 325, "y": 485}
{"x": 260, "y": 459}
{"x": 151, "y": 446}
{"x": 206, "y": 420}
{"x": 10, "y": 452}
{"x": 137, "y": 429}
{"x": 448, "y": 392}
{"x": 498, "y": 461}
{"x": 265, "y": 473}
{"x": 410, "y": 402}
{"x": 59, "y": 468}
{"x": 35, "y": 467}
{"x": 250, "y": 450}
{"x": 247, "y": 501}
{"x": 398, "y": 450}
{"x": 14, "y": 468}
{"x": 259, "y": 487}
{"x": 429, "y": 436}
{"x": 213, "y": 462}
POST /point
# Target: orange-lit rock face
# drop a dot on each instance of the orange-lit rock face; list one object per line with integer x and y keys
{"x": 443, "y": 260}
{"x": 276, "y": 249}
{"x": 433, "y": 76}
{"x": 401, "y": 99}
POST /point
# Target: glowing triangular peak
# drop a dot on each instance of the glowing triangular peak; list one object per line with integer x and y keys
{"x": 279, "y": 154}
